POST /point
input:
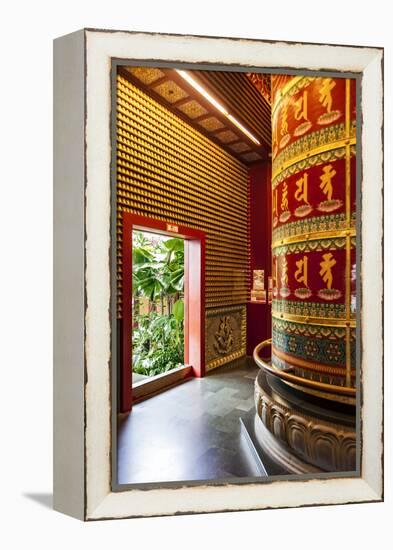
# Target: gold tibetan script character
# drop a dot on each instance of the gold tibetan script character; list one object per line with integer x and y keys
{"x": 325, "y": 93}
{"x": 284, "y": 272}
{"x": 275, "y": 272}
{"x": 284, "y": 120}
{"x": 284, "y": 197}
{"x": 274, "y": 136}
{"x": 326, "y": 180}
{"x": 326, "y": 269}
{"x": 301, "y": 107}
{"x": 275, "y": 201}
{"x": 301, "y": 193}
{"x": 301, "y": 275}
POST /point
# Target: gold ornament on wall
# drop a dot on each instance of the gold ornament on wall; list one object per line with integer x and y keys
{"x": 223, "y": 338}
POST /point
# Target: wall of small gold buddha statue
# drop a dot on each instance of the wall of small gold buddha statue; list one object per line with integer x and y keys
{"x": 314, "y": 232}
{"x": 169, "y": 171}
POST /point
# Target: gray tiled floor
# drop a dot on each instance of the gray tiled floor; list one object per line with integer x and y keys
{"x": 191, "y": 431}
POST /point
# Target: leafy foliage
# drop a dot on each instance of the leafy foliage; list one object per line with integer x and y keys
{"x": 158, "y": 266}
{"x": 157, "y": 344}
{"x": 158, "y": 274}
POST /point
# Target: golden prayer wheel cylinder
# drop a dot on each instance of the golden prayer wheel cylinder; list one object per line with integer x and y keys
{"x": 314, "y": 239}
{"x": 313, "y": 345}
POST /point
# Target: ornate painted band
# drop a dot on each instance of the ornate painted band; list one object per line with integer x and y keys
{"x": 318, "y": 235}
{"x": 342, "y": 143}
{"x": 325, "y": 321}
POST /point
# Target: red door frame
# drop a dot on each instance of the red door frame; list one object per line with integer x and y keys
{"x": 194, "y": 297}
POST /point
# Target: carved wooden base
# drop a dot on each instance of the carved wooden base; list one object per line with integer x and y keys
{"x": 303, "y": 434}
{"x": 279, "y": 453}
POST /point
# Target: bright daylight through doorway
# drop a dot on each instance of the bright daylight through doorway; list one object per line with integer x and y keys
{"x": 157, "y": 304}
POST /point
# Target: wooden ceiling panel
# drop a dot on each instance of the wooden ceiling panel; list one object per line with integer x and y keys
{"x": 239, "y": 147}
{"x": 147, "y": 75}
{"x": 193, "y": 109}
{"x": 170, "y": 91}
{"x": 227, "y": 136}
{"x": 211, "y": 124}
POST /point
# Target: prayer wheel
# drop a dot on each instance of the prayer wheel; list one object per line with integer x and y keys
{"x": 305, "y": 396}
{"x": 314, "y": 231}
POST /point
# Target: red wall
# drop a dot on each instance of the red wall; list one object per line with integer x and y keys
{"x": 259, "y": 315}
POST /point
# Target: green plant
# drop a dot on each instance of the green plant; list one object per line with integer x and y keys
{"x": 158, "y": 274}
{"x": 158, "y": 268}
{"x": 158, "y": 343}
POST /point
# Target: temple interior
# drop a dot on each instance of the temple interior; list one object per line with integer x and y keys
{"x": 256, "y": 173}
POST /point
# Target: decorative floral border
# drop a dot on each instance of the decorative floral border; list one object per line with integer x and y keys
{"x": 334, "y": 222}
{"x": 312, "y": 246}
{"x": 305, "y": 144}
{"x": 309, "y": 309}
{"x": 323, "y": 350}
{"x": 313, "y": 331}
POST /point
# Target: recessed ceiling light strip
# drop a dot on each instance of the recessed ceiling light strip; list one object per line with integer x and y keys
{"x": 188, "y": 78}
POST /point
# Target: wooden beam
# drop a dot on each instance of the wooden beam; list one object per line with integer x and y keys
{"x": 182, "y": 101}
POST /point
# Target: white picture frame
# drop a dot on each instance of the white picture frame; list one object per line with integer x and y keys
{"x": 83, "y": 421}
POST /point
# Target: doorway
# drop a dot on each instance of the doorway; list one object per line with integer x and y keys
{"x": 178, "y": 310}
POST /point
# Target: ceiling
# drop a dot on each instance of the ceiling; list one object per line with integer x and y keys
{"x": 236, "y": 91}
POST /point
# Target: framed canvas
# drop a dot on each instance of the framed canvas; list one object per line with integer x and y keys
{"x": 228, "y": 195}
